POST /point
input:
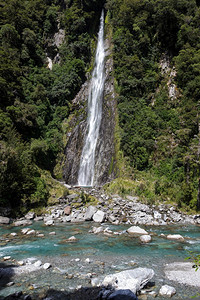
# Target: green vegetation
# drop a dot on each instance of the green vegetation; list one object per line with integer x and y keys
{"x": 160, "y": 133}
{"x": 34, "y": 99}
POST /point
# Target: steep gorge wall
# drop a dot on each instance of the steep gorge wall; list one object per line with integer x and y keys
{"x": 105, "y": 155}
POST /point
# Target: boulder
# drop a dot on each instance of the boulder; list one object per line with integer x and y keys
{"x": 97, "y": 230}
{"x": 67, "y": 210}
{"x": 175, "y": 237}
{"x": 13, "y": 234}
{"x": 117, "y": 295}
{"x": 22, "y": 223}
{"x": 167, "y": 290}
{"x": 111, "y": 218}
{"x": 72, "y": 197}
{"x": 4, "y": 220}
{"x": 66, "y": 219}
{"x": 25, "y": 230}
{"x": 146, "y": 238}
{"x": 40, "y": 218}
{"x": 99, "y": 216}
{"x": 31, "y": 232}
{"x": 38, "y": 263}
{"x": 72, "y": 239}
{"x": 134, "y": 279}
{"x": 137, "y": 230}
{"x": 49, "y": 222}
{"x": 46, "y": 266}
{"x": 91, "y": 210}
{"x": 30, "y": 216}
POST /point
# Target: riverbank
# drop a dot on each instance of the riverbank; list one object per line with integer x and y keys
{"x": 86, "y": 204}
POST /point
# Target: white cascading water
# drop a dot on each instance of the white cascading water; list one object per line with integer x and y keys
{"x": 87, "y": 162}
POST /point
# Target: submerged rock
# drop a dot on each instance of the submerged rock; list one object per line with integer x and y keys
{"x": 134, "y": 279}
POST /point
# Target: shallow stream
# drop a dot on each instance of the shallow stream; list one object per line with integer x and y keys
{"x": 107, "y": 254}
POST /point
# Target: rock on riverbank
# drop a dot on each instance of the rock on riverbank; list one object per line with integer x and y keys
{"x": 113, "y": 209}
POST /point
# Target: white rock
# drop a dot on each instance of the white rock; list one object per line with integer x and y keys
{"x": 7, "y": 257}
{"x": 146, "y": 238}
{"x": 99, "y": 216}
{"x": 30, "y": 232}
{"x": 77, "y": 259}
{"x": 157, "y": 215}
{"x": 38, "y": 263}
{"x": 10, "y": 283}
{"x": 52, "y": 233}
{"x": 136, "y": 230}
{"x": 20, "y": 262}
{"x": 25, "y": 230}
{"x": 95, "y": 282}
{"x": 175, "y": 237}
{"x": 13, "y": 234}
{"x": 134, "y": 279}
{"x": 72, "y": 239}
{"x": 49, "y": 222}
{"x": 30, "y": 216}
{"x": 46, "y": 266}
{"x": 111, "y": 218}
{"x": 22, "y": 223}
{"x": 167, "y": 290}
{"x": 91, "y": 210}
{"x": 4, "y": 220}
{"x": 40, "y": 235}
{"x": 88, "y": 260}
{"x": 97, "y": 230}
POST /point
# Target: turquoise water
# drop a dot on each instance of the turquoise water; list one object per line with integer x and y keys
{"x": 100, "y": 245}
{"x": 116, "y": 252}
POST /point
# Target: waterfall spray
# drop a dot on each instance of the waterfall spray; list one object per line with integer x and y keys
{"x": 87, "y": 162}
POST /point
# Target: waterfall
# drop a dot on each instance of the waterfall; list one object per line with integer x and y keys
{"x": 87, "y": 162}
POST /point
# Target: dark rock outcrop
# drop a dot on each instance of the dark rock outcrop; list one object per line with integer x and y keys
{"x": 105, "y": 156}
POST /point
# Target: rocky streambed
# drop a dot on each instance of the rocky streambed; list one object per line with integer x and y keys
{"x": 76, "y": 248}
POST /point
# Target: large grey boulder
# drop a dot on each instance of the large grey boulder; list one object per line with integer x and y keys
{"x": 136, "y": 230}
{"x": 134, "y": 279}
{"x": 4, "y": 220}
{"x": 91, "y": 210}
{"x": 167, "y": 290}
{"x": 99, "y": 216}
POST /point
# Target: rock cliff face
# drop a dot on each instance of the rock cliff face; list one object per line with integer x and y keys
{"x": 105, "y": 161}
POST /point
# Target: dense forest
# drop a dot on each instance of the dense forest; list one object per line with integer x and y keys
{"x": 156, "y": 53}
